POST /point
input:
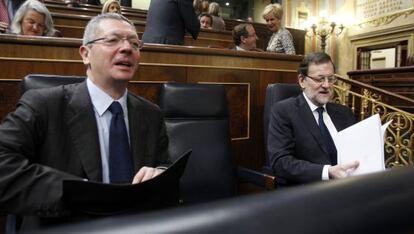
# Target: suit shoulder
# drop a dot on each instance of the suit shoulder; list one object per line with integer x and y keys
{"x": 144, "y": 103}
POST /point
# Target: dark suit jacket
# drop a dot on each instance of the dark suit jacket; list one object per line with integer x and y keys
{"x": 16, "y": 4}
{"x": 296, "y": 149}
{"x": 52, "y": 136}
{"x": 168, "y": 20}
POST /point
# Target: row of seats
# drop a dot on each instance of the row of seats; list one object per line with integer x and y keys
{"x": 196, "y": 117}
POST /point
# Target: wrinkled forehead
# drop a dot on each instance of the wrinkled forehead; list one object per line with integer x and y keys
{"x": 113, "y": 26}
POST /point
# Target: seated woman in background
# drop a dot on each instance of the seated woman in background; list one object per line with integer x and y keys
{"x": 33, "y": 18}
{"x": 218, "y": 22}
{"x": 281, "y": 40}
{"x": 111, "y": 6}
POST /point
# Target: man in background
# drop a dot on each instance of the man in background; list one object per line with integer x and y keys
{"x": 244, "y": 37}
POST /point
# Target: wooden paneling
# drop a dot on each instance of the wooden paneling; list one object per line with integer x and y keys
{"x": 396, "y": 80}
{"x": 245, "y": 76}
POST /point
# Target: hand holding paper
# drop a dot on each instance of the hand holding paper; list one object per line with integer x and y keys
{"x": 363, "y": 142}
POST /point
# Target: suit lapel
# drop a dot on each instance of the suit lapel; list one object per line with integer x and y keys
{"x": 306, "y": 114}
{"x": 137, "y": 131}
{"x": 338, "y": 118}
{"x": 81, "y": 122}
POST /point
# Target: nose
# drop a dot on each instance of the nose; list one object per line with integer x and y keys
{"x": 326, "y": 83}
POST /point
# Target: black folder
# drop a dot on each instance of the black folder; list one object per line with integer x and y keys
{"x": 96, "y": 198}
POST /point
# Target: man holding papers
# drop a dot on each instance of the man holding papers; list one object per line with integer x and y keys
{"x": 302, "y": 129}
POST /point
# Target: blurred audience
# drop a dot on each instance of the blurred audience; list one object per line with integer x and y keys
{"x": 206, "y": 21}
{"x": 33, "y": 18}
{"x": 218, "y": 22}
{"x": 281, "y": 40}
{"x": 244, "y": 37}
{"x": 112, "y": 6}
{"x": 204, "y": 6}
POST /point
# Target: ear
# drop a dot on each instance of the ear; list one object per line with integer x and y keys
{"x": 243, "y": 39}
{"x": 84, "y": 52}
{"x": 301, "y": 80}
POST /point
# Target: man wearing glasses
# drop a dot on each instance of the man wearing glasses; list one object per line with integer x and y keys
{"x": 244, "y": 38}
{"x": 67, "y": 132}
{"x": 302, "y": 130}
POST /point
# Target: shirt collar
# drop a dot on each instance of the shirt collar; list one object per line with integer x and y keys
{"x": 101, "y": 100}
{"x": 312, "y": 106}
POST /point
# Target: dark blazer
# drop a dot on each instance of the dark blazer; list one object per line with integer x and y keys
{"x": 16, "y": 4}
{"x": 52, "y": 136}
{"x": 168, "y": 20}
{"x": 296, "y": 149}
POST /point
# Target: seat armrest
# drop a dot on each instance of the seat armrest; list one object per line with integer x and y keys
{"x": 261, "y": 179}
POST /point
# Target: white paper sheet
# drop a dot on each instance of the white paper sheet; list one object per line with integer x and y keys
{"x": 363, "y": 141}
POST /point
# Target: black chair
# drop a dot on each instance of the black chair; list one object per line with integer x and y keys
{"x": 275, "y": 93}
{"x": 37, "y": 81}
{"x": 196, "y": 117}
{"x": 375, "y": 203}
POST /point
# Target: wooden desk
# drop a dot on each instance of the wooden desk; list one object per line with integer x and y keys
{"x": 245, "y": 76}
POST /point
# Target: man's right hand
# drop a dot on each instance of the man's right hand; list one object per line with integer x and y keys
{"x": 340, "y": 170}
{"x": 3, "y": 27}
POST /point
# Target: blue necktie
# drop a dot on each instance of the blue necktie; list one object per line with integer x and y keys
{"x": 327, "y": 138}
{"x": 120, "y": 161}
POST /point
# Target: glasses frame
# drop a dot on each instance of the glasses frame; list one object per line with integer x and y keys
{"x": 321, "y": 80}
{"x": 141, "y": 44}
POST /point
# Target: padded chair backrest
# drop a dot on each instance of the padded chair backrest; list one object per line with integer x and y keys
{"x": 275, "y": 93}
{"x": 196, "y": 117}
{"x": 37, "y": 81}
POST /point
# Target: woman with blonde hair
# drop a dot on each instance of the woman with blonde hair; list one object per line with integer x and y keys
{"x": 111, "y": 6}
{"x": 281, "y": 40}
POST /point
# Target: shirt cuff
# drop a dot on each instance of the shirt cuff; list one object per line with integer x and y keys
{"x": 325, "y": 172}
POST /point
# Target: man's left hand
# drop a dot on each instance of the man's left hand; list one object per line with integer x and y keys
{"x": 146, "y": 173}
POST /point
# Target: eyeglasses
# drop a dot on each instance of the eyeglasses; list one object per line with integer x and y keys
{"x": 116, "y": 40}
{"x": 320, "y": 80}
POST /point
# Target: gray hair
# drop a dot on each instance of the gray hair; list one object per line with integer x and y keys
{"x": 16, "y": 25}
{"x": 93, "y": 25}
{"x": 214, "y": 9}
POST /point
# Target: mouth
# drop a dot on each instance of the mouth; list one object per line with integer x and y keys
{"x": 124, "y": 63}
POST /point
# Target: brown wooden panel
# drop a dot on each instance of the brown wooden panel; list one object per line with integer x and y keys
{"x": 9, "y": 94}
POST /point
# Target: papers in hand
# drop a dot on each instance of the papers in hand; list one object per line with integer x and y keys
{"x": 364, "y": 142}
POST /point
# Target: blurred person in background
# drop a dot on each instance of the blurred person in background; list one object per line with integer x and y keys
{"x": 111, "y": 6}
{"x": 281, "y": 40}
{"x": 244, "y": 37}
{"x": 169, "y": 20}
{"x": 218, "y": 22}
{"x": 206, "y": 21}
{"x": 33, "y": 18}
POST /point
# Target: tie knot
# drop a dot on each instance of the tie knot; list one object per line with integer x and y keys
{"x": 320, "y": 110}
{"x": 115, "y": 108}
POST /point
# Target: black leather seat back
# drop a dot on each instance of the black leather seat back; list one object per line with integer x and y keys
{"x": 37, "y": 81}
{"x": 275, "y": 93}
{"x": 196, "y": 116}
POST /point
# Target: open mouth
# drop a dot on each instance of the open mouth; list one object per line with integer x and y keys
{"x": 124, "y": 63}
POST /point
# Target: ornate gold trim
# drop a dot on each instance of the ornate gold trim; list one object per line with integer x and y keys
{"x": 387, "y": 18}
